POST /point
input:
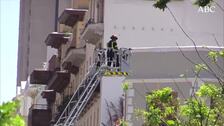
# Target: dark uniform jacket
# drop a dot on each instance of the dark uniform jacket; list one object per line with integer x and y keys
{"x": 112, "y": 44}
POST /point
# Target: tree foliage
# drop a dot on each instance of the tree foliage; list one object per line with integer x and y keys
{"x": 203, "y": 3}
{"x": 162, "y": 4}
{"x": 206, "y": 108}
{"x": 125, "y": 86}
{"x": 161, "y": 108}
{"x": 8, "y": 115}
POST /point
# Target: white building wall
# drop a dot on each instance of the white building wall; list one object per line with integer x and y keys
{"x": 138, "y": 24}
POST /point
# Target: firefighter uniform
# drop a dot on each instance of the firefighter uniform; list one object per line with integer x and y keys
{"x": 112, "y": 51}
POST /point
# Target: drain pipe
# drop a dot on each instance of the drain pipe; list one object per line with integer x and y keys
{"x": 56, "y": 16}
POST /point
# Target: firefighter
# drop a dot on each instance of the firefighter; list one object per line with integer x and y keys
{"x": 111, "y": 50}
{"x": 100, "y": 58}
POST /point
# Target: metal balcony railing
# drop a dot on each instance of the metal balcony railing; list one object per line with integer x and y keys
{"x": 54, "y": 64}
{"x": 39, "y": 106}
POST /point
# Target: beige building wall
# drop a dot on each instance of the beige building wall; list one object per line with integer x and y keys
{"x": 37, "y": 19}
{"x": 76, "y": 79}
{"x": 91, "y": 116}
{"x": 75, "y": 42}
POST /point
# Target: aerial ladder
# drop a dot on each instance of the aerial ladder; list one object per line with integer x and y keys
{"x": 92, "y": 79}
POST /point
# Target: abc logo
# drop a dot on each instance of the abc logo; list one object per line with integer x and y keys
{"x": 206, "y": 9}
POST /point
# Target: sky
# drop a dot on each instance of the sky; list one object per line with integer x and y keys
{"x": 9, "y": 25}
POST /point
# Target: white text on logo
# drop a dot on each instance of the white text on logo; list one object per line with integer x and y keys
{"x": 206, "y": 9}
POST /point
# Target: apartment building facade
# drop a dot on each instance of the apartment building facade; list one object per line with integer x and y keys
{"x": 37, "y": 18}
{"x": 155, "y": 61}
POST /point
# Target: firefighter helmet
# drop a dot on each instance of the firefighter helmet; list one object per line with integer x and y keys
{"x": 114, "y": 37}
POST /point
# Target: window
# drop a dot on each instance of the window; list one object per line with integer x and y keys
{"x": 83, "y": 73}
{"x": 87, "y": 122}
{"x": 80, "y": 74}
{"x": 94, "y": 118}
{"x": 97, "y": 117}
{"x": 90, "y": 122}
{"x": 92, "y": 9}
{"x": 87, "y": 66}
{"x": 90, "y": 61}
{"x": 100, "y": 11}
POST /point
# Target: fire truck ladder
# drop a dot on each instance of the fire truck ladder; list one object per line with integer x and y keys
{"x": 83, "y": 93}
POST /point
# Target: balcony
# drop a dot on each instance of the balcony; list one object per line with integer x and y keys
{"x": 81, "y": 4}
{"x": 50, "y": 95}
{"x": 39, "y": 115}
{"x": 70, "y": 68}
{"x": 74, "y": 41}
{"x": 40, "y": 76}
{"x": 93, "y": 32}
{"x": 59, "y": 81}
{"x": 70, "y": 16}
{"x": 54, "y": 63}
{"x": 74, "y": 56}
{"x": 32, "y": 91}
{"x": 55, "y": 39}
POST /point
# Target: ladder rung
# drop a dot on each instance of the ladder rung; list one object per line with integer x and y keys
{"x": 64, "y": 117}
{"x": 74, "y": 101}
{"x": 82, "y": 95}
{"x": 82, "y": 85}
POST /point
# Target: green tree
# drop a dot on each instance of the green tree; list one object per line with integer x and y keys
{"x": 161, "y": 108}
{"x": 206, "y": 108}
{"x": 162, "y": 4}
{"x": 8, "y": 115}
{"x": 125, "y": 87}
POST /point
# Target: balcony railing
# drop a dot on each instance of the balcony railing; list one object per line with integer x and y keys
{"x": 59, "y": 81}
{"x": 50, "y": 95}
{"x": 40, "y": 76}
{"x": 70, "y": 16}
{"x": 81, "y": 4}
{"x": 70, "y": 68}
{"x": 54, "y": 63}
{"x": 93, "y": 30}
{"x": 74, "y": 56}
{"x": 39, "y": 115}
{"x": 39, "y": 107}
{"x": 55, "y": 39}
{"x": 32, "y": 91}
{"x": 74, "y": 41}
{"x": 93, "y": 33}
